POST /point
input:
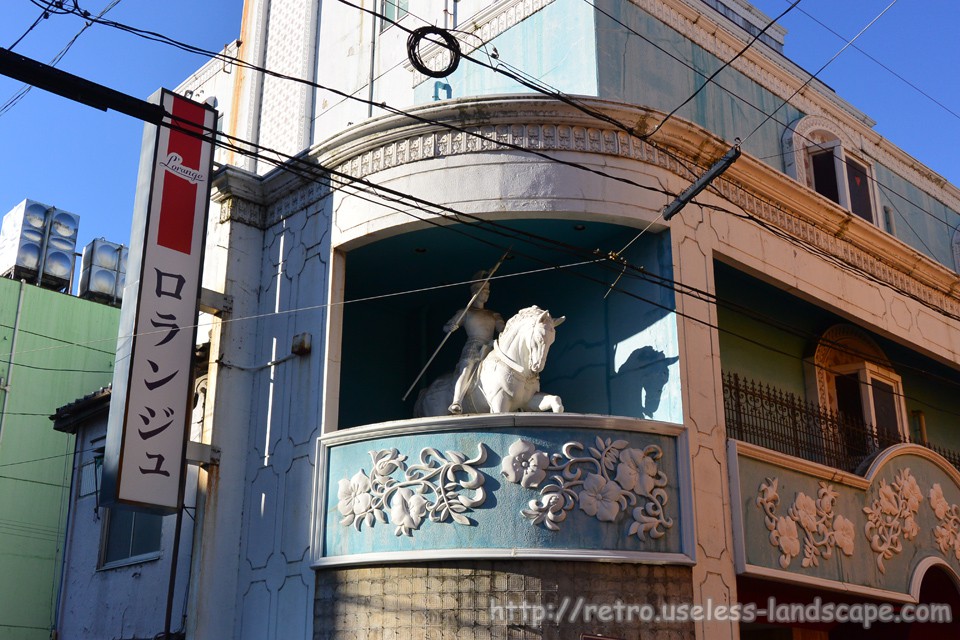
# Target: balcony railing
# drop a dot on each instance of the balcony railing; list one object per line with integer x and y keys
{"x": 778, "y": 420}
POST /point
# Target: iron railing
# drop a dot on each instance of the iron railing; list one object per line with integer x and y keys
{"x": 779, "y": 420}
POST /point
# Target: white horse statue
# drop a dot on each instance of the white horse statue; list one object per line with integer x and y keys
{"x": 508, "y": 377}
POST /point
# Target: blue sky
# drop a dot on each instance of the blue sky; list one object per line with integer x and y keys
{"x": 85, "y": 161}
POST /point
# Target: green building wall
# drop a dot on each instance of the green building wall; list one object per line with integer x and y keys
{"x": 55, "y": 350}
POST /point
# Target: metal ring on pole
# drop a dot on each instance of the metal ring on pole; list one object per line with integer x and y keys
{"x": 449, "y": 42}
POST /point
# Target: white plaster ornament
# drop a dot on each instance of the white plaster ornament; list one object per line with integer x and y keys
{"x": 441, "y": 488}
{"x": 608, "y": 482}
{"x": 507, "y": 378}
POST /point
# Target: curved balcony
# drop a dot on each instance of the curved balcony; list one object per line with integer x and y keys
{"x": 520, "y": 485}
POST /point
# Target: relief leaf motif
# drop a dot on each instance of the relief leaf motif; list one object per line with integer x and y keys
{"x": 442, "y": 487}
{"x": 821, "y": 528}
{"x": 947, "y": 533}
{"x": 893, "y": 514}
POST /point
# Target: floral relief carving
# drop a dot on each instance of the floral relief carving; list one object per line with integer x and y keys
{"x": 613, "y": 478}
{"x": 892, "y": 516}
{"x": 947, "y": 533}
{"x": 821, "y": 528}
{"x": 441, "y": 488}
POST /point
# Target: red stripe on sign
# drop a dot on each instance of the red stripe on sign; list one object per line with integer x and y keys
{"x": 182, "y": 174}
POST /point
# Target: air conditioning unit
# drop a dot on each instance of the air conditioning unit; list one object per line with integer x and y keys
{"x": 103, "y": 271}
{"x": 38, "y": 243}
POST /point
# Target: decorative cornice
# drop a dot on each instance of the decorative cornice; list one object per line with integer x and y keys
{"x": 784, "y": 79}
{"x": 756, "y": 452}
{"x": 547, "y": 126}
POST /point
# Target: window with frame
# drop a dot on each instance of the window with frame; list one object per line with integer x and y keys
{"x": 819, "y": 155}
{"x": 392, "y": 11}
{"x": 853, "y": 379}
{"x": 129, "y": 537}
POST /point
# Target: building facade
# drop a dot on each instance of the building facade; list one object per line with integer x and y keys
{"x": 758, "y": 395}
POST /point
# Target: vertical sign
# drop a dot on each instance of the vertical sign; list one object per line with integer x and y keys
{"x": 152, "y": 381}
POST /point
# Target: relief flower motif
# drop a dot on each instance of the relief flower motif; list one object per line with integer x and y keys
{"x": 387, "y": 461}
{"x": 912, "y": 493}
{"x": 637, "y": 471}
{"x": 551, "y": 508}
{"x": 525, "y": 465}
{"x": 888, "y": 500}
{"x": 947, "y": 533}
{"x": 441, "y": 487}
{"x": 601, "y": 498}
{"x": 938, "y": 502}
{"x": 606, "y": 479}
{"x": 820, "y": 529}
{"x": 892, "y": 516}
{"x": 806, "y": 512}
{"x": 407, "y": 511}
{"x": 843, "y": 534}
{"x": 355, "y": 501}
{"x": 787, "y": 539}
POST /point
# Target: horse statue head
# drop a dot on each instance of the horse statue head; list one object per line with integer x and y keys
{"x": 527, "y": 338}
{"x": 508, "y": 378}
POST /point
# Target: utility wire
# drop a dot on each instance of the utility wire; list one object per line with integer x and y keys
{"x": 530, "y": 83}
{"x": 885, "y": 67}
{"x": 722, "y": 67}
{"x": 554, "y": 93}
{"x": 33, "y": 26}
{"x": 824, "y": 66}
{"x": 25, "y": 89}
{"x": 769, "y": 116}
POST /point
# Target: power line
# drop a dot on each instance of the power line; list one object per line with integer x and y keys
{"x": 25, "y": 89}
{"x": 455, "y": 212}
{"x": 824, "y": 66}
{"x": 885, "y": 67}
{"x": 722, "y": 67}
{"x": 770, "y": 116}
{"x": 33, "y": 26}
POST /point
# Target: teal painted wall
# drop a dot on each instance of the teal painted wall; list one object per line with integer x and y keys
{"x": 754, "y": 315}
{"x": 555, "y": 46}
{"x": 921, "y": 221}
{"x": 931, "y": 388}
{"x": 64, "y": 349}
{"x": 648, "y": 71}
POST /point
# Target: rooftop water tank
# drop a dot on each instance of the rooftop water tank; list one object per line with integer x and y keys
{"x": 37, "y": 244}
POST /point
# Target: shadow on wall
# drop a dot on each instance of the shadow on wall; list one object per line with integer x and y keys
{"x": 650, "y": 371}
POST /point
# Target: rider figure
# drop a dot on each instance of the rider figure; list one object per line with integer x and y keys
{"x": 482, "y": 326}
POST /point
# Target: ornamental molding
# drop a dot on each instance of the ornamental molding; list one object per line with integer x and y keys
{"x": 477, "y": 31}
{"x": 610, "y": 480}
{"x": 892, "y": 516}
{"x": 713, "y": 37}
{"x": 838, "y": 345}
{"x": 800, "y": 136}
{"x": 820, "y": 528}
{"x": 546, "y": 126}
{"x": 242, "y": 211}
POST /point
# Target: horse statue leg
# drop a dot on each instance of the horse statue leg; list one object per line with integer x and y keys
{"x": 545, "y": 402}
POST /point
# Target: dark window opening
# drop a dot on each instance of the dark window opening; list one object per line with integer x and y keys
{"x": 859, "y": 183}
{"x": 825, "y": 175}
